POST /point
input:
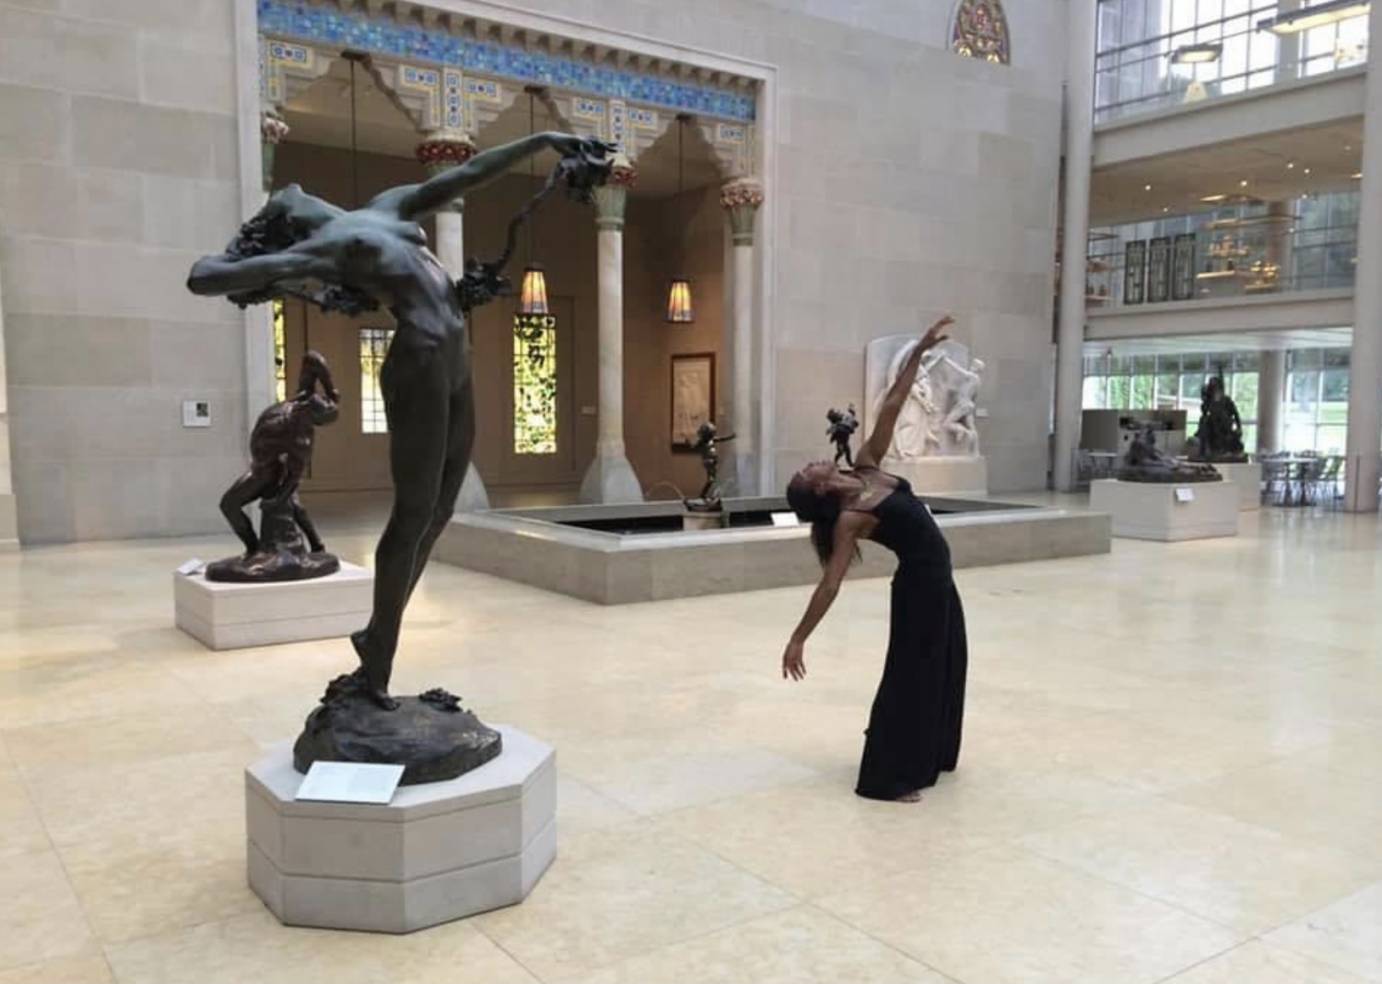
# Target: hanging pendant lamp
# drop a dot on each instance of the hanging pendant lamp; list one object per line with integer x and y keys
{"x": 680, "y": 310}
{"x": 532, "y": 294}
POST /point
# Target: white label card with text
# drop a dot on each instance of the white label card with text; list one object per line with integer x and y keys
{"x": 350, "y": 782}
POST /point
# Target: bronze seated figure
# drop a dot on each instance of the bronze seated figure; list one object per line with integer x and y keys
{"x": 1145, "y": 462}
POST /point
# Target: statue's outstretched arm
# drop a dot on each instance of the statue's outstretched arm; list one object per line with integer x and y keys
{"x": 419, "y": 200}
{"x": 223, "y": 274}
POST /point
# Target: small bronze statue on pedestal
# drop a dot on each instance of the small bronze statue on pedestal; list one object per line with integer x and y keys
{"x": 706, "y": 441}
{"x": 841, "y": 430}
{"x": 280, "y": 452}
{"x": 1145, "y": 462}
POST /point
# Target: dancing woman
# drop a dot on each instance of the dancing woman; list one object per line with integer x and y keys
{"x": 354, "y": 261}
{"x": 914, "y": 727}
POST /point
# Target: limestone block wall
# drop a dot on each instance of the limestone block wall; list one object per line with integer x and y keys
{"x": 908, "y": 181}
{"x": 904, "y": 181}
{"x": 117, "y": 169}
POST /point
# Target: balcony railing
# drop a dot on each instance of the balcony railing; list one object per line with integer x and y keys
{"x": 1247, "y": 257}
{"x": 1188, "y": 61}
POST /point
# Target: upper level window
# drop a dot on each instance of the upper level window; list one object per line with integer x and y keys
{"x": 1155, "y": 54}
{"x": 280, "y": 353}
{"x": 981, "y": 31}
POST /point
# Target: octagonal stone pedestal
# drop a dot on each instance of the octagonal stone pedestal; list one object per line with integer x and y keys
{"x": 440, "y": 851}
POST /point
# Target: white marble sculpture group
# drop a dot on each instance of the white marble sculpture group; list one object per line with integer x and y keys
{"x": 938, "y": 419}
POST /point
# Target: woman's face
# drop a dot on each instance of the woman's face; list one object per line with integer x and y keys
{"x": 819, "y": 475}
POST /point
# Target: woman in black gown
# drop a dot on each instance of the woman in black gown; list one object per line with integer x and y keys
{"x": 914, "y": 727}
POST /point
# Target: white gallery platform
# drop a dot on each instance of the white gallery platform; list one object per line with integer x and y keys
{"x": 233, "y": 616}
{"x": 439, "y": 851}
{"x": 1248, "y": 477}
{"x": 1166, "y": 510}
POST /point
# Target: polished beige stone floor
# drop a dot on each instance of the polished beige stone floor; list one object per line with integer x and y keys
{"x": 1172, "y": 772}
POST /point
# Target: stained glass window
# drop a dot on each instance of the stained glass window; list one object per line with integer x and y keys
{"x": 374, "y": 345}
{"x": 534, "y": 384}
{"x": 280, "y": 354}
{"x": 981, "y": 31}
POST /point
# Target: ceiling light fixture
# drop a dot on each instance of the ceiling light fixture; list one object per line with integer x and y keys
{"x": 680, "y": 310}
{"x": 1318, "y": 15}
{"x": 1243, "y": 183}
{"x": 1197, "y": 54}
{"x": 1357, "y": 175}
{"x": 1307, "y": 171}
{"x": 532, "y": 294}
{"x": 1290, "y": 165}
{"x": 1146, "y": 187}
{"x": 1213, "y": 199}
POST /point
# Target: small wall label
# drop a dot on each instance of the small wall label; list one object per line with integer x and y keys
{"x": 196, "y": 413}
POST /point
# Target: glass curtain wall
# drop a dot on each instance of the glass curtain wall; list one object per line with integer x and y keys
{"x": 1173, "y": 382}
{"x": 1314, "y": 406}
{"x": 1153, "y": 54}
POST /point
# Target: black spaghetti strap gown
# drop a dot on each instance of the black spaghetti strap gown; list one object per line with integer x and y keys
{"x": 914, "y": 727}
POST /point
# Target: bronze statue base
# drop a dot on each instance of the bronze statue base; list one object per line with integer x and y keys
{"x": 430, "y": 735}
{"x": 277, "y": 565}
{"x": 1162, "y": 476}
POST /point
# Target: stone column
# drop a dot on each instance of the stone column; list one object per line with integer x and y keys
{"x": 1079, "y": 128}
{"x": 9, "y": 525}
{"x": 1365, "y": 359}
{"x": 610, "y": 477}
{"x": 741, "y": 199}
{"x": 1271, "y": 386}
{"x": 1278, "y": 249}
{"x": 441, "y": 150}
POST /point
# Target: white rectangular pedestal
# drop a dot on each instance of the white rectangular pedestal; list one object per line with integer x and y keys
{"x": 232, "y": 616}
{"x": 1160, "y": 511}
{"x": 1248, "y": 477}
{"x": 439, "y": 851}
{"x": 942, "y": 475}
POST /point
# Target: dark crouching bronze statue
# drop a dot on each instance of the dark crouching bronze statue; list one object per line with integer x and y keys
{"x": 354, "y": 261}
{"x": 280, "y": 452}
{"x": 1145, "y": 462}
{"x": 1220, "y": 434}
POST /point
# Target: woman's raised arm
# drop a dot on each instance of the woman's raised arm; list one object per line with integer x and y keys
{"x": 878, "y": 442}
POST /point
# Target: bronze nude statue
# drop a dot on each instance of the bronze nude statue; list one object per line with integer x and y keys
{"x": 843, "y": 424}
{"x": 299, "y": 245}
{"x": 280, "y": 453}
{"x": 706, "y": 445}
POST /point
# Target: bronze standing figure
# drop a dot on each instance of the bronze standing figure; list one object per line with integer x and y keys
{"x": 377, "y": 255}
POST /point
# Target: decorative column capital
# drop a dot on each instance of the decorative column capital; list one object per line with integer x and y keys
{"x": 442, "y": 150}
{"x": 611, "y": 197}
{"x": 272, "y": 131}
{"x": 741, "y": 198}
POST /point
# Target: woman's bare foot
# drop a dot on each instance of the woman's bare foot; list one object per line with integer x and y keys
{"x": 913, "y": 797}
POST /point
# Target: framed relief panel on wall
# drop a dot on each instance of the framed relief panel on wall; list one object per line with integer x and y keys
{"x": 1159, "y": 270}
{"x": 1134, "y": 270}
{"x": 693, "y": 396}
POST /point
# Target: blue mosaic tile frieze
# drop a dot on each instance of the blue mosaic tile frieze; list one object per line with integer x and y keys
{"x": 323, "y": 25}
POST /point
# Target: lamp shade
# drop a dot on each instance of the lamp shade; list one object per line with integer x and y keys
{"x": 679, "y": 308}
{"x": 1318, "y": 15}
{"x": 532, "y": 298}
